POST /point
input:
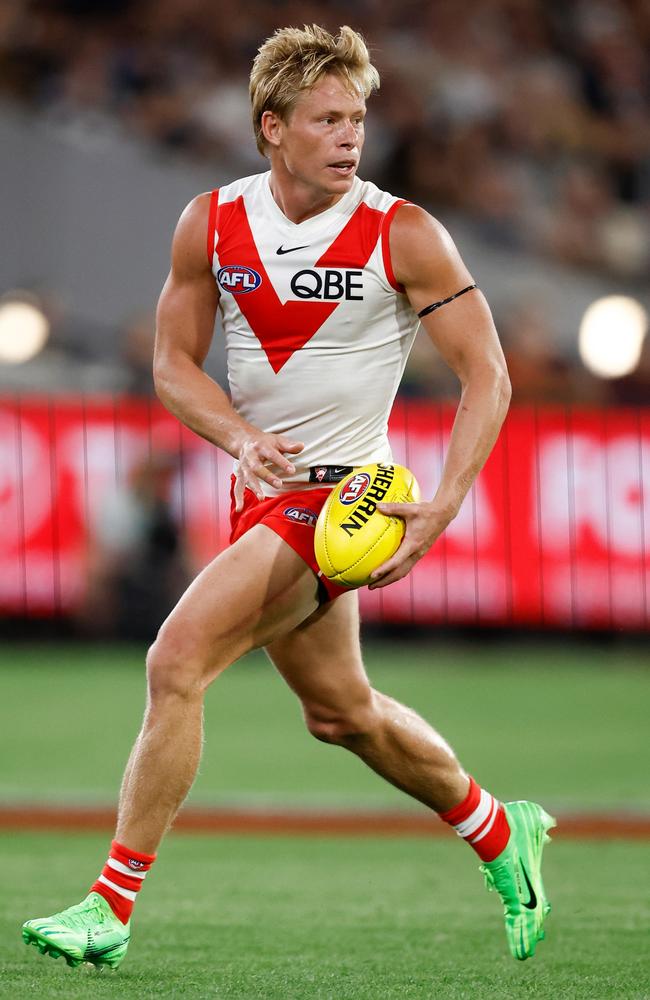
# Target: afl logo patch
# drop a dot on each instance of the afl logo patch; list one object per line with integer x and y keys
{"x": 355, "y": 488}
{"x": 301, "y": 515}
{"x": 238, "y": 279}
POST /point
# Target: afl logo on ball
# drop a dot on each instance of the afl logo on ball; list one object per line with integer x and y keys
{"x": 238, "y": 279}
{"x": 355, "y": 488}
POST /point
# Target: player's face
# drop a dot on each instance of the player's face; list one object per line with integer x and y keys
{"x": 322, "y": 138}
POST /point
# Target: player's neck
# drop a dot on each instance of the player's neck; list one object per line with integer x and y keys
{"x": 297, "y": 201}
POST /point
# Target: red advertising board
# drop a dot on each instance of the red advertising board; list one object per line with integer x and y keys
{"x": 555, "y": 532}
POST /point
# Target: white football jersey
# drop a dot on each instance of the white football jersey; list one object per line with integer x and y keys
{"x": 317, "y": 329}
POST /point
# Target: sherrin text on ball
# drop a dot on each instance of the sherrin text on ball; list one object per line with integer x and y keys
{"x": 353, "y": 537}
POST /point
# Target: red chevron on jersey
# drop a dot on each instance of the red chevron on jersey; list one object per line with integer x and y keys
{"x": 283, "y": 328}
{"x": 356, "y": 241}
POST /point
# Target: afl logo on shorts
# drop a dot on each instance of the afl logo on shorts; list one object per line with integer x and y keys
{"x": 355, "y": 488}
{"x": 301, "y": 515}
{"x": 238, "y": 279}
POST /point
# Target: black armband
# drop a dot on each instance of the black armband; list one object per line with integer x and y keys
{"x": 443, "y": 302}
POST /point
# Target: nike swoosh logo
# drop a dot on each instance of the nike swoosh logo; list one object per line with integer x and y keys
{"x": 532, "y": 902}
{"x": 95, "y": 952}
{"x": 281, "y": 249}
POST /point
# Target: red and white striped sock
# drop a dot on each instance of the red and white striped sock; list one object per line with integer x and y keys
{"x": 480, "y": 820}
{"x": 121, "y": 879}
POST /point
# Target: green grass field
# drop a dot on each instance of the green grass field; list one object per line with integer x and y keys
{"x": 310, "y": 919}
{"x": 565, "y": 725}
{"x": 340, "y": 918}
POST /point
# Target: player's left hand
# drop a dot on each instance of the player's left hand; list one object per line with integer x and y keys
{"x": 424, "y": 525}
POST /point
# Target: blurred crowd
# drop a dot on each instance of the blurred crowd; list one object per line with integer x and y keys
{"x": 137, "y": 560}
{"x": 530, "y": 118}
{"x": 533, "y": 116}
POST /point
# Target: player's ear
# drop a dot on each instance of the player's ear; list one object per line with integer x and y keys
{"x": 271, "y": 125}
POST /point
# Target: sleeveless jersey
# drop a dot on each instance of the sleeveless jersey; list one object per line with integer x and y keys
{"x": 317, "y": 329}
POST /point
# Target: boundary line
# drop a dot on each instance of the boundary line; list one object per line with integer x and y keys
{"x": 579, "y": 826}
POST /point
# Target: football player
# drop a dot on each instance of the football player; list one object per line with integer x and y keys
{"x": 322, "y": 281}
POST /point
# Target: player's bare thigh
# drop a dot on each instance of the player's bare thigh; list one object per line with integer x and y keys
{"x": 250, "y": 594}
{"x": 321, "y": 662}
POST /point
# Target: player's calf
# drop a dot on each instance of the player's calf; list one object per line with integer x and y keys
{"x": 343, "y": 725}
{"x": 391, "y": 739}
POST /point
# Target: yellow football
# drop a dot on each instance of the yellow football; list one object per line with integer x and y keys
{"x": 352, "y": 537}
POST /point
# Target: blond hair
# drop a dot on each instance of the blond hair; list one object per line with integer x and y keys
{"x": 295, "y": 59}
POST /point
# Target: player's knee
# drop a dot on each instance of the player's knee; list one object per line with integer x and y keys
{"x": 342, "y": 725}
{"x": 174, "y": 667}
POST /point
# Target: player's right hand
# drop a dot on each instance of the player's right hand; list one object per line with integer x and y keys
{"x": 256, "y": 455}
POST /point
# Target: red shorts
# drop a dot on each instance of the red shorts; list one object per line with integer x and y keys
{"x": 293, "y": 517}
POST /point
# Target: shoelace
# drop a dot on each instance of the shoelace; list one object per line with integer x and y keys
{"x": 77, "y": 916}
{"x": 501, "y": 881}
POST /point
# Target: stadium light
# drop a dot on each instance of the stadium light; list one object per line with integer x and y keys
{"x": 24, "y": 329}
{"x": 611, "y": 335}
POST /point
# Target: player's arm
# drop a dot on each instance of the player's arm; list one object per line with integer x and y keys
{"x": 184, "y": 331}
{"x": 426, "y": 261}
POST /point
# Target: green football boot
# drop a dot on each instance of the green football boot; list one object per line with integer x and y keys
{"x": 516, "y": 874}
{"x": 87, "y": 932}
